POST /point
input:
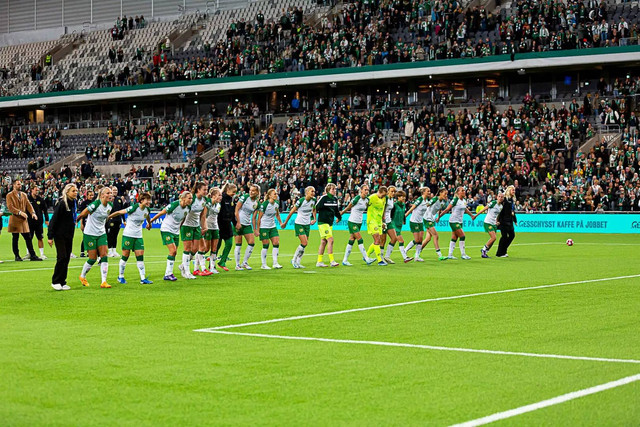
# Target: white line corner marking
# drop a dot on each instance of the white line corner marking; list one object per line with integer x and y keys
{"x": 549, "y": 402}
{"x": 400, "y": 304}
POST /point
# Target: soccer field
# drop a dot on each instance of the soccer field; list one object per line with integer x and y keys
{"x": 528, "y": 339}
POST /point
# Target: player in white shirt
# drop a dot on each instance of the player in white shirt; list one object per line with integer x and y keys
{"x": 358, "y": 206}
{"x": 435, "y": 205}
{"x": 137, "y": 213}
{"x": 416, "y": 222}
{"x": 457, "y": 207}
{"x": 191, "y": 232}
{"x": 389, "y": 229}
{"x": 212, "y": 236}
{"x": 306, "y": 209}
{"x": 493, "y": 209}
{"x": 245, "y": 224}
{"x": 95, "y": 235}
{"x": 267, "y": 215}
{"x": 174, "y": 213}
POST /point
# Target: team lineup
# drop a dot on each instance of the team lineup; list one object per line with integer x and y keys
{"x": 210, "y": 221}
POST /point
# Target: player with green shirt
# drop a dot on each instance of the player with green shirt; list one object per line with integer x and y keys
{"x": 417, "y": 210}
{"x": 132, "y": 236}
{"x": 305, "y": 208}
{"x": 493, "y": 209}
{"x": 435, "y": 205}
{"x": 358, "y": 206}
{"x": 457, "y": 207}
{"x": 95, "y": 235}
{"x": 174, "y": 213}
{"x": 267, "y": 215}
{"x": 375, "y": 214}
{"x": 397, "y": 221}
{"x": 212, "y": 235}
{"x": 245, "y": 210}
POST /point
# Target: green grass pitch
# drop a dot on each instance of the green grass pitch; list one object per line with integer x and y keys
{"x": 130, "y": 355}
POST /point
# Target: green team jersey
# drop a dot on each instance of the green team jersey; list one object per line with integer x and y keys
{"x": 305, "y": 210}
{"x": 97, "y": 218}
{"x": 492, "y": 214}
{"x": 418, "y": 212}
{"x": 135, "y": 218}
{"x": 213, "y": 209}
{"x": 247, "y": 209}
{"x": 387, "y": 210}
{"x": 398, "y": 214}
{"x": 269, "y": 212}
{"x": 457, "y": 211}
{"x": 173, "y": 218}
{"x": 358, "y": 208}
{"x": 196, "y": 208}
{"x": 434, "y": 207}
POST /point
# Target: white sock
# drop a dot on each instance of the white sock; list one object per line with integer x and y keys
{"x": 452, "y": 247}
{"x": 169, "y": 270}
{"x": 185, "y": 261}
{"x": 203, "y": 262}
{"x": 274, "y": 254}
{"x": 122, "y": 265}
{"x": 418, "y": 250}
{"x": 363, "y": 251}
{"x": 41, "y": 252}
{"x": 212, "y": 262}
{"x": 462, "y": 247}
{"x": 299, "y": 252}
{"x": 85, "y": 269}
{"x": 409, "y": 246}
{"x": 439, "y": 253}
{"x": 141, "y": 269}
{"x": 263, "y": 256}
{"x": 403, "y": 250}
{"x": 389, "y": 250}
{"x": 104, "y": 270}
{"x": 236, "y": 253}
{"x": 347, "y": 252}
{"x": 247, "y": 253}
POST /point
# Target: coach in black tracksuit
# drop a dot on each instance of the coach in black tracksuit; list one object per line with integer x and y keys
{"x": 506, "y": 220}
{"x": 35, "y": 225}
{"x": 114, "y": 224}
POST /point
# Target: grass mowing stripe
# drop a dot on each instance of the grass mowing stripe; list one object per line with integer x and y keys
{"x": 428, "y": 347}
{"x": 549, "y": 402}
{"x": 400, "y": 304}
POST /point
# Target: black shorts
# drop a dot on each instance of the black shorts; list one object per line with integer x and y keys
{"x": 226, "y": 230}
{"x": 36, "y": 229}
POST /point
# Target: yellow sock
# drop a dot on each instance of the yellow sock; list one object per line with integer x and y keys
{"x": 319, "y": 258}
{"x": 370, "y": 249}
{"x": 376, "y": 249}
{"x": 331, "y": 259}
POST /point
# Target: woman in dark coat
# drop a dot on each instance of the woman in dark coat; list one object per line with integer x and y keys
{"x": 226, "y": 218}
{"x": 61, "y": 228}
{"x": 506, "y": 220}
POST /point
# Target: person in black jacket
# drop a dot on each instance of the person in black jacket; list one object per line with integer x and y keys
{"x": 506, "y": 220}
{"x": 35, "y": 225}
{"x": 226, "y": 219}
{"x": 328, "y": 209}
{"x": 61, "y": 229}
{"x": 114, "y": 224}
{"x": 86, "y": 202}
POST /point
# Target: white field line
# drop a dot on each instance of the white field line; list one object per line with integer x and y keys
{"x": 312, "y": 253}
{"x": 549, "y": 402}
{"x": 400, "y": 304}
{"x": 427, "y": 347}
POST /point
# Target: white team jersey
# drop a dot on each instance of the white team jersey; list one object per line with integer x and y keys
{"x": 457, "y": 211}
{"x": 387, "y": 210}
{"x": 173, "y": 218}
{"x": 358, "y": 208}
{"x": 305, "y": 210}
{"x": 434, "y": 207}
{"x": 135, "y": 218}
{"x": 212, "y": 215}
{"x": 492, "y": 214}
{"x": 247, "y": 209}
{"x": 196, "y": 208}
{"x": 97, "y": 218}
{"x": 418, "y": 212}
{"x": 269, "y": 212}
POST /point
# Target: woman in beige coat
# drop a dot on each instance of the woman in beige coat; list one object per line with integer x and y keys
{"x": 20, "y": 208}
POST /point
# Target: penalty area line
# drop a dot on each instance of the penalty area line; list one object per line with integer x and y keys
{"x": 427, "y": 347}
{"x": 422, "y": 301}
{"x": 549, "y": 402}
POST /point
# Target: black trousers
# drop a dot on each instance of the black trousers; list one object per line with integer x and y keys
{"x": 27, "y": 239}
{"x": 507, "y": 236}
{"x": 112, "y": 235}
{"x": 64, "y": 245}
